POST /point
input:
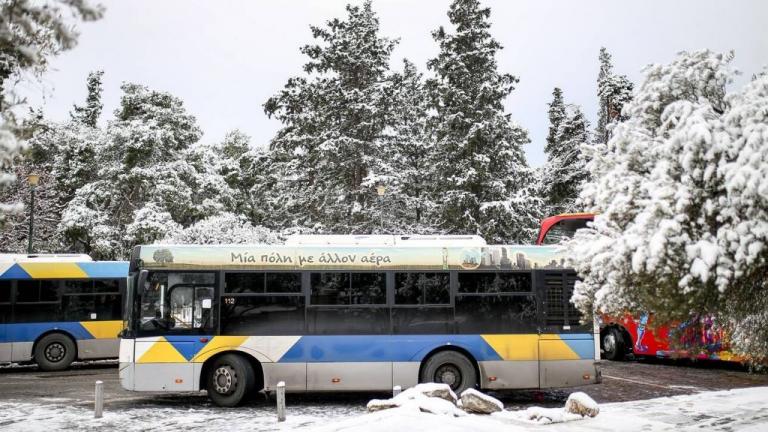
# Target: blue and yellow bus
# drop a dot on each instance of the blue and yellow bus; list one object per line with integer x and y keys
{"x": 55, "y": 309}
{"x": 237, "y": 319}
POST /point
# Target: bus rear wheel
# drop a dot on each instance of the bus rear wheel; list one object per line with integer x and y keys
{"x": 452, "y": 368}
{"x": 55, "y": 352}
{"x": 613, "y": 345}
{"x": 230, "y": 381}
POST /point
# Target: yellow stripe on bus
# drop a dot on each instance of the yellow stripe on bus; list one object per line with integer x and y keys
{"x": 218, "y": 344}
{"x": 103, "y": 329}
{"x": 514, "y": 347}
{"x": 162, "y": 352}
{"x": 59, "y": 270}
{"x": 551, "y": 347}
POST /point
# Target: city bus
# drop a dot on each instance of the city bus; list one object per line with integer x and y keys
{"x": 55, "y": 309}
{"x": 362, "y": 316}
{"x": 699, "y": 338}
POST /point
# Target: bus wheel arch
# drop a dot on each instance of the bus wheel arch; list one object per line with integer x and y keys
{"x": 442, "y": 358}
{"x": 54, "y": 350}
{"x": 232, "y": 361}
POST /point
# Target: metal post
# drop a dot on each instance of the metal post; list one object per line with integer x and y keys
{"x": 31, "y": 219}
{"x": 281, "y": 401}
{"x": 396, "y": 390}
{"x": 98, "y": 406}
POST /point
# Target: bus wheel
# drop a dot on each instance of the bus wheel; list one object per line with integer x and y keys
{"x": 55, "y": 352}
{"x": 452, "y": 368}
{"x": 230, "y": 380}
{"x": 613, "y": 345}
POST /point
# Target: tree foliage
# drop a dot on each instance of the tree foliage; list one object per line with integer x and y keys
{"x": 683, "y": 215}
{"x": 564, "y": 172}
{"x": 479, "y": 161}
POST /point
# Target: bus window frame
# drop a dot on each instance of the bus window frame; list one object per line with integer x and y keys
{"x": 143, "y": 276}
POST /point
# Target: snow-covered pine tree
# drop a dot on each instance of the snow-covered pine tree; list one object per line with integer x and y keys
{"x": 150, "y": 181}
{"x": 89, "y": 113}
{"x": 333, "y": 119}
{"x": 682, "y": 228}
{"x": 564, "y": 172}
{"x": 30, "y": 33}
{"x": 479, "y": 160}
{"x": 405, "y": 158}
{"x": 613, "y": 92}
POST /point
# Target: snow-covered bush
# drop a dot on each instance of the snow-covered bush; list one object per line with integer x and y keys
{"x": 225, "y": 228}
{"x": 682, "y": 201}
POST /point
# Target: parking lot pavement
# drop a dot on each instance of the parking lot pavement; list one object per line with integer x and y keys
{"x": 622, "y": 381}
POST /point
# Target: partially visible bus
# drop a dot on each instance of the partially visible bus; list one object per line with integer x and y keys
{"x": 238, "y": 319}
{"x": 635, "y": 333}
{"x": 55, "y": 309}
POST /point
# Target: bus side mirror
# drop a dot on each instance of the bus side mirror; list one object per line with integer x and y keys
{"x": 207, "y": 303}
{"x": 143, "y": 275}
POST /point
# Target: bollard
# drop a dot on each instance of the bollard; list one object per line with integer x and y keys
{"x": 98, "y": 405}
{"x": 281, "y": 401}
{"x": 396, "y": 390}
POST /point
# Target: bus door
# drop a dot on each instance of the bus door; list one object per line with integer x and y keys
{"x": 176, "y": 320}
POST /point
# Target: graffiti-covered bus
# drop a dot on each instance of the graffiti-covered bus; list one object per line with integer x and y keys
{"x": 55, "y": 309}
{"x": 636, "y": 333}
{"x": 319, "y": 316}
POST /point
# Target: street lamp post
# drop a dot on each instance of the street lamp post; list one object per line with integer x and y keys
{"x": 32, "y": 180}
{"x": 380, "y": 190}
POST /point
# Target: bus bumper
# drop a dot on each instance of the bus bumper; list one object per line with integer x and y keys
{"x": 126, "y": 367}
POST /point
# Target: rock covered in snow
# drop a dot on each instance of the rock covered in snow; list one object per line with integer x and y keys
{"x": 580, "y": 403}
{"x": 381, "y": 404}
{"x": 475, "y": 402}
{"x": 442, "y": 391}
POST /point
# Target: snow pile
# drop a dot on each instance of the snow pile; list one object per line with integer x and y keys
{"x": 429, "y": 397}
{"x": 578, "y": 406}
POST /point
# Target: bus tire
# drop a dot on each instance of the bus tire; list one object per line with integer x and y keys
{"x": 230, "y": 380}
{"x": 55, "y": 352}
{"x": 612, "y": 344}
{"x": 452, "y": 368}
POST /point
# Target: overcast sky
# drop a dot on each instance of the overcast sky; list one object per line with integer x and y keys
{"x": 225, "y": 58}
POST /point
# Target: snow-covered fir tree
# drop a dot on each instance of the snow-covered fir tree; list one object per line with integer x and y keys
{"x": 682, "y": 228}
{"x": 332, "y": 121}
{"x": 613, "y": 92}
{"x": 564, "y": 172}
{"x": 89, "y": 113}
{"x": 406, "y": 155}
{"x": 480, "y": 162}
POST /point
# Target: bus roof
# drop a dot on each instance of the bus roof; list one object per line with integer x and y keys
{"x": 287, "y": 257}
{"x": 11, "y": 257}
{"x": 42, "y": 269}
{"x": 399, "y": 240}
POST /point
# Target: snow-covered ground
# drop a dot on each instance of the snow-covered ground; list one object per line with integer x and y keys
{"x": 740, "y": 410}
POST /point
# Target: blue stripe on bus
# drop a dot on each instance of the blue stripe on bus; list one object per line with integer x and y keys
{"x": 105, "y": 269}
{"x": 29, "y": 332}
{"x": 15, "y": 272}
{"x": 384, "y": 348}
{"x": 584, "y": 348}
{"x": 187, "y": 346}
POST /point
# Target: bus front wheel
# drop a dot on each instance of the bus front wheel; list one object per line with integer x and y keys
{"x": 55, "y": 352}
{"x": 230, "y": 380}
{"x": 452, "y": 368}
